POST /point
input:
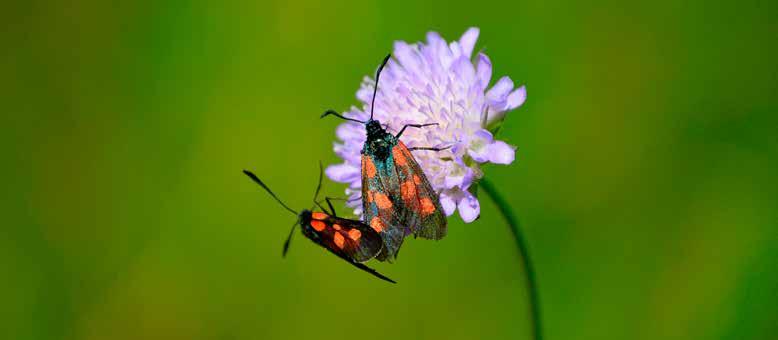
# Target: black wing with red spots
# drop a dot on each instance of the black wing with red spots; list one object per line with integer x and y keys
{"x": 351, "y": 240}
{"x": 421, "y": 211}
{"x": 378, "y": 209}
{"x": 398, "y": 200}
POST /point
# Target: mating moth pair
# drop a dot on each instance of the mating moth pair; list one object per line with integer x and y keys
{"x": 397, "y": 201}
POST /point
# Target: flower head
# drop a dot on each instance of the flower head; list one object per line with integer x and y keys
{"x": 434, "y": 82}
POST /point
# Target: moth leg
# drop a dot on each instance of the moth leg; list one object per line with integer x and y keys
{"x": 324, "y": 209}
{"x": 412, "y": 125}
{"x": 339, "y": 199}
{"x": 329, "y": 203}
{"x": 288, "y": 239}
{"x": 429, "y": 148}
{"x": 331, "y": 208}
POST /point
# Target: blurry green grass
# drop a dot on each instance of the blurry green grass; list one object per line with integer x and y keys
{"x": 645, "y": 173}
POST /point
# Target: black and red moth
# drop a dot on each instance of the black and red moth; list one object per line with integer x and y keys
{"x": 397, "y": 198}
{"x": 351, "y": 240}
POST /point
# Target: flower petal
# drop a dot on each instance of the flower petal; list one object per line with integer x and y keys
{"x": 343, "y": 173}
{"x": 463, "y": 68}
{"x": 484, "y": 134}
{"x": 501, "y": 153}
{"x": 484, "y": 70}
{"x": 440, "y": 48}
{"x": 497, "y": 94}
{"x": 347, "y": 152}
{"x": 365, "y": 92}
{"x": 467, "y": 41}
{"x": 434, "y": 81}
{"x": 469, "y": 208}
{"x": 458, "y": 149}
{"x": 434, "y": 39}
{"x": 456, "y": 50}
{"x": 479, "y": 145}
{"x": 516, "y": 98}
{"x": 459, "y": 176}
{"x": 448, "y": 203}
{"x": 350, "y": 131}
{"x": 407, "y": 56}
{"x": 453, "y": 181}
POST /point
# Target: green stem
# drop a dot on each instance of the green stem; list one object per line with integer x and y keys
{"x": 513, "y": 223}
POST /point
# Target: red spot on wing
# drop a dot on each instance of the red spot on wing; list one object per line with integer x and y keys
{"x": 319, "y": 215}
{"x": 339, "y": 240}
{"x": 318, "y": 225}
{"x": 354, "y": 234}
{"x": 427, "y": 207}
{"x": 376, "y": 224}
{"x": 336, "y": 226}
{"x": 382, "y": 201}
{"x": 416, "y": 179}
{"x": 408, "y": 191}
{"x": 399, "y": 157}
{"x": 368, "y": 167}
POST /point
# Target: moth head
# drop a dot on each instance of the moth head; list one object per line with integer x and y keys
{"x": 305, "y": 218}
{"x": 373, "y": 128}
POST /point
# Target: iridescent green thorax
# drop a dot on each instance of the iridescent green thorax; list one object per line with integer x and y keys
{"x": 379, "y": 143}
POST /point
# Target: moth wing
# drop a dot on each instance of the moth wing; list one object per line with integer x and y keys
{"x": 379, "y": 211}
{"x": 350, "y": 238}
{"x": 339, "y": 236}
{"x": 422, "y": 211}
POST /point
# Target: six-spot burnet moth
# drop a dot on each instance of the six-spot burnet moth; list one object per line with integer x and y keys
{"x": 397, "y": 198}
{"x": 351, "y": 240}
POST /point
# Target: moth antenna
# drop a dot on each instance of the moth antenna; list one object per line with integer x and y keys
{"x": 375, "y": 88}
{"x": 254, "y": 177}
{"x": 289, "y": 239}
{"x": 334, "y": 113}
{"x": 371, "y": 271}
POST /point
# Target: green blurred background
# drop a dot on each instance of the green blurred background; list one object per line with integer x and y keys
{"x": 645, "y": 176}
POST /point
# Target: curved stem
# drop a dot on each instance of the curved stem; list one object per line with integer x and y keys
{"x": 513, "y": 223}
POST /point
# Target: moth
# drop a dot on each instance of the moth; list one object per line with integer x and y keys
{"x": 351, "y": 240}
{"x": 397, "y": 198}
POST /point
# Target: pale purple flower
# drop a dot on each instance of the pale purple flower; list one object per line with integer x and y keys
{"x": 435, "y": 82}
